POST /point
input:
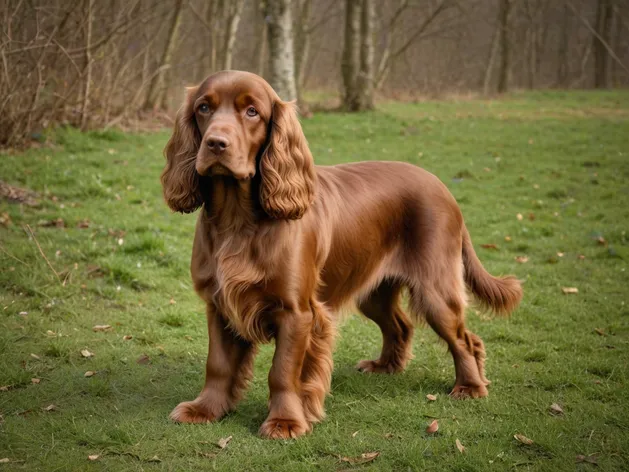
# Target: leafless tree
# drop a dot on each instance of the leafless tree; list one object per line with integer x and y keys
{"x": 601, "y": 40}
{"x": 105, "y": 63}
{"x": 364, "y": 81}
{"x": 351, "y": 54}
{"x": 282, "y": 65}
{"x": 156, "y": 89}
{"x": 505, "y": 46}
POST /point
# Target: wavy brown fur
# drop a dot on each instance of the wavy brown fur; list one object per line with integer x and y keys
{"x": 282, "y": 246}
{"x": 498, "y": 294}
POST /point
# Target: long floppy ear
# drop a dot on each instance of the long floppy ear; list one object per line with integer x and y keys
{"x": 180, "y": 180}
{"x": 286, "y": 166}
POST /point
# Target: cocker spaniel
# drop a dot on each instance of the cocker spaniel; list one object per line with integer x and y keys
{"x": 282, "y": 245}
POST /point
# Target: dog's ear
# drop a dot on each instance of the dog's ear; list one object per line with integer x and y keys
{"x": 180, "y": 180}
{"x": 288, "y": 177}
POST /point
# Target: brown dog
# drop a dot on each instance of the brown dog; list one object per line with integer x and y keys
{"x": 282, "y": 245}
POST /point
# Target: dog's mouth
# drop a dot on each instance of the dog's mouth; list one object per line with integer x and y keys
{"x": 220, "y": 169}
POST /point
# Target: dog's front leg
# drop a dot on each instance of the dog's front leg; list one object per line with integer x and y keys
{"x": 228, "y": 370}
{"x": 286, "y": 412}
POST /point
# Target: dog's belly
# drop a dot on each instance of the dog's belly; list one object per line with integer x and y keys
{"x": 356, "y": 276}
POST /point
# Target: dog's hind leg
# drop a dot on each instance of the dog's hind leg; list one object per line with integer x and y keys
{"x": 443, "y": 309}
{"x": 383, "y": 307}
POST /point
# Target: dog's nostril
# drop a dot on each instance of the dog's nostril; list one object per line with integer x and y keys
{"x": 217, "y": 143}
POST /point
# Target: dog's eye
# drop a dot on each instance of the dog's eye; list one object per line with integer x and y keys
{"x": 204, "y": 108}
{"x": 251, "y": 111}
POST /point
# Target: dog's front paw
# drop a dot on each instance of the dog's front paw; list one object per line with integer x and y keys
{"x": 192, "y": 412}
{"x": 461, "y": 392}
{"x": 277, "y": 428}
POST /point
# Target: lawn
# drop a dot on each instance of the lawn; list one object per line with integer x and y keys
{"x": 543, "y": 182}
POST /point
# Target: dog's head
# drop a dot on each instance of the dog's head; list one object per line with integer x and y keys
{"x": 234, "y": 124}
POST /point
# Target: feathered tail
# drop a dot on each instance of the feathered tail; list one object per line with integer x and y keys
{"x": 499, "y": 294}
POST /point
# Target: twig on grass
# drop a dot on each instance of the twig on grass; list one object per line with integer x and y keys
{"x": 42, "y": 253}
{"x": 11, "y": 255}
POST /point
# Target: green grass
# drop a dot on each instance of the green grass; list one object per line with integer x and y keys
{"x": 561, "y": 160}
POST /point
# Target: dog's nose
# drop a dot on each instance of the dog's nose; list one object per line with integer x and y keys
{"x": 217, "y": 144}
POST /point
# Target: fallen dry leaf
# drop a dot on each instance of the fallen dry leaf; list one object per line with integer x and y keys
{"x": 600, "y": 332}
{"x": 50, "y": 407}
{"x": 388, "y": 435}
{"x": 223, "y": 442}
{"x": 489, "y": 246}
{"x": 172, "y": 301}
{"x": 93, "y": 457}
{"x": 5, "y": 388}
{"x": 581, "y": 256}
{"x": 58, "y": 223}
{"x": 87, "y": 353}
{"x": 532, "y": 216}
{"x": 431, "y": 398}
{"x": 433, "y": 427}
{"x": 460, "y": 446}
{"x": 5, "y": 219}
{"x": 519, "y": 216}
{"x": 143, "y": 359}
{"x": 35, "y": 381}
{"x": 50, "y": 333}
{"x": 522, "y": 259}
{"x": 154, "y": 459}
{"x": 569, "y": 290}
{"x": 354, "y": 434}
{"x": 18, "y": 194}
{"x": 89, "y": 373}
{"x": 101, "y": 328}
{"x": 127, "y": 337}
{"x": 35, "y": 356}
{"x": 555, "y": 409}
{"x": 586, "y": 459}
{"x": 601, "y": 240}
{"x": 363, "y": 459}
{"x": 523, "y": 439}
{"x": 5, "y": 460}
{"x": 561, "y": 254}
{"x": 83, "y": 224}
{"x": 508, "y": 238}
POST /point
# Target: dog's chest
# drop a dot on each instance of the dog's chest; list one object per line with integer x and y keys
{"x": 232, "y": 278}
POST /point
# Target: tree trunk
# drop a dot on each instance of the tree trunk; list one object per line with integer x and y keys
{"x": 157, "y": 83}
{"x": 604, "y": 13}
{"x": 505, "y": 53}
{"x": 281, "y": 48}
{"x": 531, "y": 43}
{"x": 364, "y": 82}
{"x": 350, "y": 64}
{"x": 562, "y": 60}
{"x": 493, "y": 51}
{"x": 260, "y": 51}
{"x": 302, "y": 42}
{"x": 213, "y": 15}
{"x": 616, "y": 45}
{"x": 233, "y": 19}
{"x": 88, "y": 64}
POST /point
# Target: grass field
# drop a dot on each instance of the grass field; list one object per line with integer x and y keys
{"x": 541, "y": 176}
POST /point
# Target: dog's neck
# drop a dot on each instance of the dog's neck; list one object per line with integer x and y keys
{"x": 231, "y": 204}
